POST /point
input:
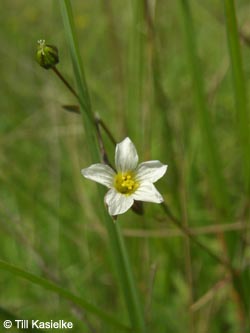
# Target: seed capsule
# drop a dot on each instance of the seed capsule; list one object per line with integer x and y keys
{"x": 46, "y": 55}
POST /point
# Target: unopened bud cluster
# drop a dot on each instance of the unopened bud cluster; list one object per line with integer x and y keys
{"x": 46, "y": 55}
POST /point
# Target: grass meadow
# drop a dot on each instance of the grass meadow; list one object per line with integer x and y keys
{"x": 174, "y": 77}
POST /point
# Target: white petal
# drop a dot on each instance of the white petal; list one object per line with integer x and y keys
{"x": 117, "y": 203}
{"x": 151, "y": 171}
{"x": 126, "y": 157}
{"x": 147, "y": 192}
{"x": 100, "y": 173}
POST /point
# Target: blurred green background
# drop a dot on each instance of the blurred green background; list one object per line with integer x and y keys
{"x": 136, "y": 63}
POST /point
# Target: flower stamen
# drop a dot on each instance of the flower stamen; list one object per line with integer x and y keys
{"x": 125, "y": 183}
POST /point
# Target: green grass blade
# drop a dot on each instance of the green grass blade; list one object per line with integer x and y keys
{"x": 6, "y": 314}
{"x": 51, "y": 286}
{"x": 135, "y": 71}
{"x": 209, "y": 143}
{"x": 82, "y": 90}
{"x": 119, "y": 253}
{"x": 242, "y": 114}
{"x": 239, "y": 86}
{"x": 218, "y": 185}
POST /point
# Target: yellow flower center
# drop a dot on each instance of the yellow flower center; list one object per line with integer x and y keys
{"x": 125, "y": 183}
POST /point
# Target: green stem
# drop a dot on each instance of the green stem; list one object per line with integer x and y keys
{"x": 118, "y": 249}
{"x": 239, "y": 85}
{"x": 51, "y": 286}
{"x": 4, "y": 313}
{"x": 135, "y": 70}
{"x": 242, "y": 114}
{"x": 209, "y": 144}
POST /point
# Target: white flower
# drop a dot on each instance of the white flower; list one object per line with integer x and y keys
{"x": 130, "y": 182}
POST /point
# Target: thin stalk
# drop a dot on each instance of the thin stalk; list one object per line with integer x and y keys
{"x": 197, "y": 231}
{"x": 62, "y": 78}
{"x": 104, "y": 154}
{"x": 76, "y": 109}
{"x": 118, "y": 250}
{"x": 218, "y": 186}
{"x": 241, "y": 108}
{"x": 187, "y": 248}
{"x": 116, "y": 58}
{"x": 235, "y": 275}
{"x": 4, "y": 313}
{"x": 191, "y": 236}
{"x": 51, "y": 286}
{"x": 135, "y": 71}
{"x": 162, "y": 103}
{"x": 239, "y": 87}
{"x": 106, "y": 129}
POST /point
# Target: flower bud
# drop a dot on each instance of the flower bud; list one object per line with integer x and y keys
{"x": 46, "y": 55}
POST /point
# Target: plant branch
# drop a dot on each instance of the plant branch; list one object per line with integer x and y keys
{"x": 188, "y": 233}
{"x": 62, "y": 78}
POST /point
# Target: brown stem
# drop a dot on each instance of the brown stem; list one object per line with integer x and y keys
{"x": 104, "y": 155}
{"x": 187, "y": 232}
{"x": 61, "y": 77}
{"x": 242, "y": 302}
{"x": 105, "y": 128}
{"x": 98, "y": 121}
